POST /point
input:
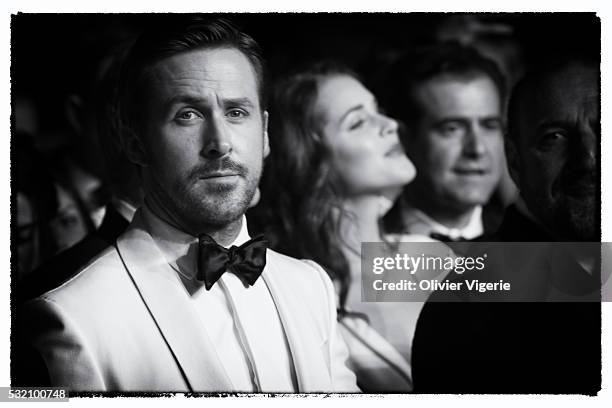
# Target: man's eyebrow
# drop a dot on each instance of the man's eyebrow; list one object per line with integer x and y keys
{"x": 246, "y": 102}
{"x": 496, "y": 118}
{"x": 188, "y": 99}
{"x": 196, "y": 100}
{"x": 451, "y": 119}
{"x": 546, "y": 124}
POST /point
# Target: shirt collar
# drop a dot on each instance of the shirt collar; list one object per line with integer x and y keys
{"x": 179, "y": 248}
{"x": 417, "y": 222}
{"x": 124, "y": 208}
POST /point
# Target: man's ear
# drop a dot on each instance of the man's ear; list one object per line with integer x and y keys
{"x": 256, "y": 198}
{"x": 134, "y": 149}
{"x": 512, "y": 159}
{"x": 266, "y": 141}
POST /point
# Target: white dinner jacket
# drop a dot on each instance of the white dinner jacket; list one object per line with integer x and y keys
{"x": 121, "y": 325}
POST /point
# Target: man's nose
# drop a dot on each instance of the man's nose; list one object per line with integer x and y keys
{"x": 473, "y": 142}
{"x": 584, "y": 153}
{"x": 217, "y": 141}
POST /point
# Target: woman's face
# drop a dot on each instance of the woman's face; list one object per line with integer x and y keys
{"x": 367, "y": 154}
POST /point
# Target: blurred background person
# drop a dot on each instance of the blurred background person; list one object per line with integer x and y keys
{"x": 36, "y": 203}
{"x": 90, "y": 106}
{"x": 121, "y": 180}
{"x": 70, "y": 219}
{"x": 550, "y": 344}
{"x": 553, "y": 146}
{"x": 56, "y": 106}
{"x": 49, "y": 219}
{"x": 495, "y": 37}
{"x": 450, "y": 102}
{"x": 334, "y": 161}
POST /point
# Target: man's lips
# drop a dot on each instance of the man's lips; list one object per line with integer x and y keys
{"x": 471, "y": 171}
{"x": 217, "y": 175}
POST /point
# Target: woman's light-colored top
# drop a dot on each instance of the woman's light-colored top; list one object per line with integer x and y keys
{"x": 380, "y": 346}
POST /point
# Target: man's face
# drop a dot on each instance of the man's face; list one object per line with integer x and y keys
{"x": 555, "y": 163}
{"x": 204, "y": 138}
{"x": 457, "y": 145}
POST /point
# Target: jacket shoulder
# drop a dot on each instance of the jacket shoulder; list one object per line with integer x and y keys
{"x": 102, "y": 275}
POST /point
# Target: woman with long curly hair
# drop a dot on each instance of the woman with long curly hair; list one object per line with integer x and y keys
{"x": 336, "y": 163}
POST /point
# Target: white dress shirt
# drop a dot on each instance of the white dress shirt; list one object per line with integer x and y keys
{"x": 123, "y": 207}
{"x": 241, "y": 321}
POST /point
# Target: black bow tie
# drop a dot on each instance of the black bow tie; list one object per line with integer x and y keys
{"x": 445, "y": 238}
{"x": 246, "y": 261}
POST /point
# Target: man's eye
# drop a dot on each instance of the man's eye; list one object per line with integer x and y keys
{"x": 552, "y": 139}
{"x": 492, "y": 124}
{"x": 451, "y": 128}
{"x": 555, "y": 136}
{"x": 237, "y": 113}
{"x": 187, "y": 115}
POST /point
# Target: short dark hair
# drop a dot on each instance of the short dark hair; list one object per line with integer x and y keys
{"x": 174, "y": 35}
{"x": 414, "y": 68}
{"x": 532, "y": 80}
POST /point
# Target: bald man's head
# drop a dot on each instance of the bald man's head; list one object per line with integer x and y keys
{"x": 553, "y": 148}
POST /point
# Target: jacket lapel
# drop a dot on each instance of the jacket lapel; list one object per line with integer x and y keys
{"x": 312, "y": 371}
{"x": 168, "y": 302}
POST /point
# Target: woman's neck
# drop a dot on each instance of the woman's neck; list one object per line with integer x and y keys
{"x": 360, "y": 225}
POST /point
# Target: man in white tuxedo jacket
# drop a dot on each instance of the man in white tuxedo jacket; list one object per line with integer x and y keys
{"x": 185, "y": 300}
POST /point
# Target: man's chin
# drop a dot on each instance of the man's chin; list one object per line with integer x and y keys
{"x": 221, "y": 185}
{"x": 470, "y": 198}
{"x": 220, "y": 206}
{"x": 579, "y": 219}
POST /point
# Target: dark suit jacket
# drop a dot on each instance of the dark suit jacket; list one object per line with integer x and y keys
{"x": 464, "y": 347}
{"x": 27, "y": 367}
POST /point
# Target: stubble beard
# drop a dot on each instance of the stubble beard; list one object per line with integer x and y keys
{"x": 206, "y": 207}
{"x": 578, "y": 218}
{"x": 569, "y": 218}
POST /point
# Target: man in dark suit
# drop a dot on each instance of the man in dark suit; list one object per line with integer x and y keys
{"x": 531, "y": 347}
{"x": 450, "y": 100}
